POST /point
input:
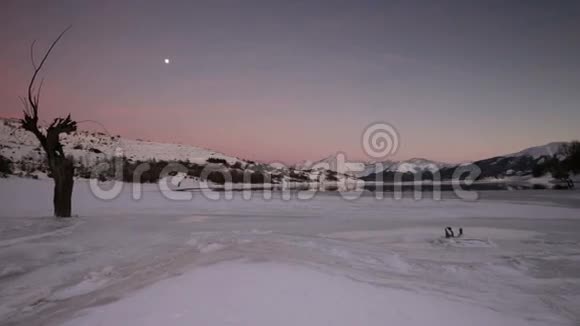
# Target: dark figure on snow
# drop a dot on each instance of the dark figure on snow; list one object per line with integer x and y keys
{"x": 450, "y": 234}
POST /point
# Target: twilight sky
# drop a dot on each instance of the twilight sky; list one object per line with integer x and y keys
{"x": 294, "y": 80}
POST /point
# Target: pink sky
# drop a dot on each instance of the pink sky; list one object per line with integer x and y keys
{"x": 286, "y": 81}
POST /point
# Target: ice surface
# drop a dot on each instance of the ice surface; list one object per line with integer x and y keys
{"x": 267, "y": 294}
{"x": 271, "y": 261}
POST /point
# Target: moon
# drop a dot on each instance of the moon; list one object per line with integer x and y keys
{"x": 167, "y": 61}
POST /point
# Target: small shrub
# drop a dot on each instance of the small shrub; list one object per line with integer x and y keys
{"x": 257, "y": 177}
{"x": 216, "y": 177}
{"x": 539, "y": 170}
{"x": 5, "y": 166}
{"x": 237, "y": 175}
{"x": 556, "y": 168}
{"x": 194, "y": 170}
{"x": 331, "y": 176}
{"x": 572, "y": 160}
{"x": 217, "y": 161}
{"x": 298, "y": 176}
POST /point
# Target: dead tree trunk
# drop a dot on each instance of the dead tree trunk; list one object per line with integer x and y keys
{"x": 61, "y": 167}
{"x": 62, "y": 173}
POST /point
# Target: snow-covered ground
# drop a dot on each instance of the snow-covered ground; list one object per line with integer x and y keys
{"x": 323, "y": 261}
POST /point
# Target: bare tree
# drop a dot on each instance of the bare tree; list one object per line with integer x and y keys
{"x": 60, "y": 166}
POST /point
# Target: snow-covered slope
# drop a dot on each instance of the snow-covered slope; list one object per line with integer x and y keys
{"x": 416, "y": 165}
{"x": 521, "y": 163}
{"x": 340, "y": 163}
{"x": 17, "y": 144}
{"x": 90, "y": 148}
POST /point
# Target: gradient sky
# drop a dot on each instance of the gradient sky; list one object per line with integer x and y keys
{"x": 294, "y": 80}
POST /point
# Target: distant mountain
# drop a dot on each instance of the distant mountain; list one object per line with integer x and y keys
{"x": 417, "y": 165}
{"x": 521, "y": 163}
{"x": 550, "y": 149}
{"x": 515, "y": 164}
{"x": 362, "y": 169}
{"x": 339, "y": 163}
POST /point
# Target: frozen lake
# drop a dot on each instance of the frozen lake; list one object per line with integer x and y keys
{"x": 320, "y": 261}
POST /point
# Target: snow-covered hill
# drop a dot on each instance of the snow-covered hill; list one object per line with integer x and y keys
{"x": 416, "y": 165}
{"x": 514, "y": 164}
{"x": 90, "y": 148}
{"x": 517, "y": 164}
{"x": 17, "y": 144}
{"x": 338, "y": 163}
{"x": 550, "y": 149}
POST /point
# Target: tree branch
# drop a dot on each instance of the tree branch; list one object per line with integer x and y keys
{"x": 30, "y": 120}
{"x": 37, "y": 69}
{"x": 32, "y": 54}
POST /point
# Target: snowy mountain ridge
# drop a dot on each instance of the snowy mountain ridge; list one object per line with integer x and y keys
{"x": 339, "y": 163}
{"x": 416, "y": 165}
{"x": 362, "y": 168}
{"x": 421, "y": 165}
{"x": 89, "y": 148}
